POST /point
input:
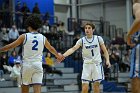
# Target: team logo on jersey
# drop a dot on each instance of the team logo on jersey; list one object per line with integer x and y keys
{"x": 91, "y": 46}
{"x": 35, "y": 36}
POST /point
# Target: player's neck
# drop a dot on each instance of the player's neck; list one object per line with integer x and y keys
{"x": 89, "y": 36}
{"x": 33, "y": 31}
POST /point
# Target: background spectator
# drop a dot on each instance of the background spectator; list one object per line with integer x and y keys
{"x": 15, "y": 73}
{"x": 114, "y": 60}
{"x": 4, "y": 61}
{"x": 14, "y": 56}
{"x": 46, "y": 29}
{"x": 24, "y": 10}
{"x": 18, "y": 15}
{"x": 36, "y": 9}
{"x": 13, "y": 34}
{"x": 4, "y": 36}
{"x": 1, "y": 71}
{"x": 126, "y": 63}
{"x": 49, "y": 66}
{"x": 46, "y": 17}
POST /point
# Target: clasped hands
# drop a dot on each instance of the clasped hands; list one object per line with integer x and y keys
{"x": 60, "y": 57}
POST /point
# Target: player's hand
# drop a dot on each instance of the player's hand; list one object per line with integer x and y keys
{"x": 108, "y": 64}
{"x": 129, "y": 41}
{"x": 60, "y": 57}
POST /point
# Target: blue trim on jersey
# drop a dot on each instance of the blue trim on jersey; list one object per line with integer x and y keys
{"x": 134, "y": 62}
{"x": 88, "y": 41}
{"x": 25, "y": 39}
{"x": 36, "y": 84}
{"x": 43, "y": 40}
{"x": 24, "y": 44}
{"x": 82, "y": 42}
{"x": 98, "y": 40}
{"x": 85, "y": 80}
{"x": 139, "y": 60}
{"x": 91, "y": 80}
{"x": 34, "y": 32}
{"x": 133, "y": 56}
{"x": 22, "y": 51}
{"x": 102, "y": 70}
{"x": 21, "y": 74}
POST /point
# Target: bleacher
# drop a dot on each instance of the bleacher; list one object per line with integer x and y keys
{"x": 67, "y": 83}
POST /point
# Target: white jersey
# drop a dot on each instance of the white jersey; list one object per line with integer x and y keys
{"x": 91, "y": 48}
{"x": 33, "y": 47}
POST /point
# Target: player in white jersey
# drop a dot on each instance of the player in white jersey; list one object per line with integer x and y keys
{"x": 135, "y": 62}
{"x": 33, "y": 44}
{"x": 136, "y": 24}
{"x": 92, "y": 66}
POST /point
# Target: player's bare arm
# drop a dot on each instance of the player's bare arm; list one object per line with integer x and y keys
{"x": 13, "y": 44}
{"x": 106, "y": 55}
{"x": 136, "y": 24}
{"x": 71, "y": 50}
{"x": 53, "y": 51}
{"x": 135, "y": 27}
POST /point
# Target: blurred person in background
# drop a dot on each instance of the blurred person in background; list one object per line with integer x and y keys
{"x": 25, "y": 11}
{"x": 4, "y": 36}
{"x": 15, "y": 73}
{"x": 1, "y": 70}
{"x": 18, "y": 15}
{"x": 36, "y": 9}
{"x": 14, "y": 56}
{"x": 13, "y": 34}
{"x": 4, "y": 61}
{"x": 49, "y": 65}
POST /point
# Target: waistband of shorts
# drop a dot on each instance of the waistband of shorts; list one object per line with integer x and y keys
{"x": 89, "y": 63}
{"x": 92, "y": 62}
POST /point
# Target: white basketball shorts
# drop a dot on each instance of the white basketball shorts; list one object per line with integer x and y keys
{"x": 92, "y": 72}
{"x": 32, "y": 73}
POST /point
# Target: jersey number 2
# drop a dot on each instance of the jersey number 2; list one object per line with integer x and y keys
{"x": 35, "y": 42}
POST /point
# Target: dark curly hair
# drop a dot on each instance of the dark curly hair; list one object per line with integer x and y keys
{"x": 33, "y": 21}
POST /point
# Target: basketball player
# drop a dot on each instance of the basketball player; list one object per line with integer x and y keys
{"x": 92, "y": 66}
{"x": 135, "y": 55}
{"x": 33, "y": 44}
{"x": 136, "y": 24}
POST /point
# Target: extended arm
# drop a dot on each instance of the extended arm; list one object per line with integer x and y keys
{"x": 135, "y": 28}
{"x": 52, "y": 50}
{"x": 13, "y": 44}
{"x": 71, "y": 50}
{"x": 106, "y": 55}
{"x": 136, "y": 24}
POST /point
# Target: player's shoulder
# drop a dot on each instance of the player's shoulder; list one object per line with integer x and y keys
{"x": 83, "y": 37}
{"x": 98, "y": 36}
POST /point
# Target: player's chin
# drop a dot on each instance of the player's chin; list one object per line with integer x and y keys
{"x": 87, "y": 33}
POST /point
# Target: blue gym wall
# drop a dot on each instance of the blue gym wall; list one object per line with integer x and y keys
{"x": 44, "y": 6}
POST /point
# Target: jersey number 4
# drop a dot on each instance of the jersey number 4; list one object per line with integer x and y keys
{"x": 35, "y": 42}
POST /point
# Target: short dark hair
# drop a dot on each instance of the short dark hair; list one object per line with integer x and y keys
{"x": 33, "y": 21}
{"x": 91, "y": 24}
